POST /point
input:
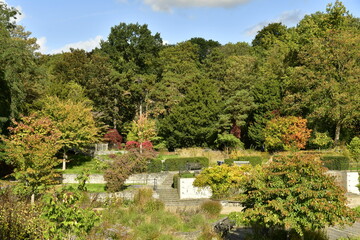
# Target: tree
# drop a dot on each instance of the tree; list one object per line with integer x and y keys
{"x": 31, "y": 148}
{"x": 224, "y": 180}
{"x": 75, "y": 122}
{"x": 142, "y": 130}
{"x": 228, "y": 142}
{"x": 286, "y": 133}
{"x": 293, "y": 193}
{"x": 124, "y": 165}
{"x": 325, "y": 80}
{"x": 354, "y": 148}
{"x": 193, "y": 122}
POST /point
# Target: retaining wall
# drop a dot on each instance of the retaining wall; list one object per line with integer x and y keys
{"x": 188, "y": 191}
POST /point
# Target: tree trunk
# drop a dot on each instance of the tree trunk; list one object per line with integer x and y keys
{"x": 64, "y": 161}
{"x": 141, "y": 148}
{"x": 32, "y": 199}
{"x": 337, "y": 134}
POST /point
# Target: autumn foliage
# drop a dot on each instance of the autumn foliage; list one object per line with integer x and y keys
{"x": 112, "y": 136}
{"x": 286, "y": 133}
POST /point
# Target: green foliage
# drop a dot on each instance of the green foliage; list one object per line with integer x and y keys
{"x": 176, "y": 164}
{"x": 176, "y": 179}
{"x": 228, "y": 142}
{"x": 354, "y": 148}
{"x": 293, "y": 192}
{"x": 20, "y": 220}
{"x": 124, "y": 165}
{"x": 336, "y": 162}
{"x": 31, "y": 148}
{"x": 82, "y": 178}
{"x": 74, "y": 120}
{"x": 154, "y": 166}
{"x": 224, "y": 180}
{"x": 67, "y": 217}
{"x": 321, "y": 140}
{"x": 253, "y": 160}
{"x": 286, "y": 133}
{"x": 212, "y": 208}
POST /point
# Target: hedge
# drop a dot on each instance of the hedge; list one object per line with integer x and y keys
{"x": 254, "y": 160}
{"x": 176, "y": 164}
{"x": 154, "y": 166}
{"x": 176, "y": 179}
{"x": 336, "y": 162}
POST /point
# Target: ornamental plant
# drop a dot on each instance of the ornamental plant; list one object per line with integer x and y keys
{"x": 293, "y": 193}
{"x": 112, "y": 136}
{"x": 286, "y": 133}
{"x": 223, "y": 180}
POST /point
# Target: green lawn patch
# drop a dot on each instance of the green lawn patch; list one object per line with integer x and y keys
{"x": 79, "y": 163}
{"x": 91, "y": 187}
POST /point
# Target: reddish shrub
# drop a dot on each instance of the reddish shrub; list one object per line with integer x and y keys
{"x": 131, "y": 145}
{"x": 147, "y": 145}
{"x": 112, "y": 136}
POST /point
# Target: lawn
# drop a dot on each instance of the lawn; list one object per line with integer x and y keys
{"x": 79, "y": 163}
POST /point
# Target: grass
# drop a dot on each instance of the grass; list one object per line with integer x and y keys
{"x": 91, "y": 187}
{"x": 78, "y": 163}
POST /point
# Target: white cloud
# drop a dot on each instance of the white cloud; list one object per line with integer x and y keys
{"x": 42, "y": 44}
{"x": 20, "y": 16}
{"x": 286, "y": 18}
{"x": 87, "y": 45}
{"x": 167, "y": 5}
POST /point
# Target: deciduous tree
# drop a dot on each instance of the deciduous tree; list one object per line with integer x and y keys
{"x": 31, "y": 148}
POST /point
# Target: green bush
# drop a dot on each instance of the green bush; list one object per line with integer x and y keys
{"x": 176, "y": 179}
{"x": 154, "y": 206}
{"x": 154, "y": 166}
{"x": 336, "y": 162}
{"x": 212, "y": 208}
{"x": 176, "y": 164}
{"x": 253, "y": 160}
{"x": 229, "y": 161}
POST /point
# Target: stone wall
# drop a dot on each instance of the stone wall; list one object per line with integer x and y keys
{"x": 188, "y": 191}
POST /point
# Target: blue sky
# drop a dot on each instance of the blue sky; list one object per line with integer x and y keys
{"x": 61, "y": 24}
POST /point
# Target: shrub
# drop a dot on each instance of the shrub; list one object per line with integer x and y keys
{"x": 175, "y": 164}
{"x": 176, "y": 178}
{"x": 229, "y": 161}
{"x": 132, "y": 145}
{"x": 147, "y": 145}
{"x": 254, "y": 160}
{"x": 336, "y": 162}
{"x": 154, "y": 166}
{"x": 19, "y": 220}
{"x": 154, "y": 205}
{"x": 112, "y": 136}
{"x": 212, "y": 208}
{"x": 143, "y": 196}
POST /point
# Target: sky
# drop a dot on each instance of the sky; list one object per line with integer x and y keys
{"x": 62, "y": 24}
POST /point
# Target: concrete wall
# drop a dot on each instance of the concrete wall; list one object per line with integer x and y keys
{"x": 352, "y": 181}
{"x": 141, "y": 178}
{"x": 188, "y": 191}
{"x": 347, "y": 180}
{"x": 93, "y": 178}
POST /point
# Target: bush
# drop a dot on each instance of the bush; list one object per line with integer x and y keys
{"x": 154, "y": 206}
{"x": 175, "y": 164}
{"x": 176, "y": 179}
{"x": 253, "y": 160}
{"x": 154, "y": 166}
{"x": 229, "y": 161}
{"x": 143, "y": 196}
{"x": 212, "y": 208}
{"x": 336, "y": 162}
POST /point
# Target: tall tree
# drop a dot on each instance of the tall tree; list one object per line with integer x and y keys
{"x": 75, "y": 122}
{"x": 326, "y": 82}
{"x": 31, "y": 148}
